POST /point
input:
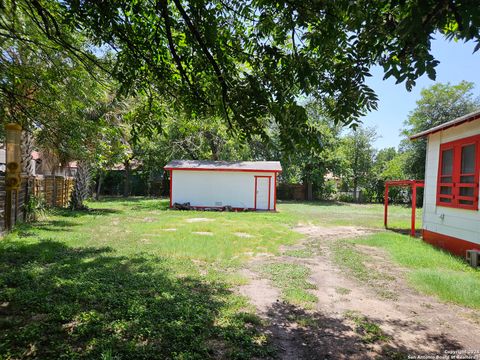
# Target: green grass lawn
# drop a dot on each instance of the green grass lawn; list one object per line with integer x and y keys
{"x": 431, "y": 271}
{"x": 346, "y": 214}
{"x": 131, "y": 279}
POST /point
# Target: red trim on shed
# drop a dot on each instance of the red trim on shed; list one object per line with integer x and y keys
{"x": 449, "y": 243}
{"x": 221, "y": 207}
{"x": 171, "y": 183}
{"x": 275, "y": 193}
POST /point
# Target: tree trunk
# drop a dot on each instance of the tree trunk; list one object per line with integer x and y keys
{"x": 99, "y": 186}
{"x": 126, "y": 185}
{"x": 355, "y": 172}
{"x": 355, "y": 187}
{"x": 54, "y": 186}
{"x": 81, "y": 187}
{"x": 27, "y": 148}
{"x": 309, "y": 191}
{"x": 149, "y": 184}
{"x": 213, "y": 145}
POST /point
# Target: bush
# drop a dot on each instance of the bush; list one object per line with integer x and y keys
{"x": 327, "y": 190}
{"x": 345, "y": 197}
{"x": 35, "y": 208}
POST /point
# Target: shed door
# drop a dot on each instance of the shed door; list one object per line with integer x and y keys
{"x": 262, "y": 192}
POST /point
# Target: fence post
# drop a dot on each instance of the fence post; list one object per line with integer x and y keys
{"x": 13, "y": 134}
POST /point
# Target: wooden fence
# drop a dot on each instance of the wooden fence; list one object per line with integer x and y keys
{"x": 291, "y": 192}
{"x": 17, "y": 203}
{"x": 55, "y": 191}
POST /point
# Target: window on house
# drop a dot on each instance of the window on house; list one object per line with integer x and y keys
{"x": 458, "y": 173}
{"x": 446, "y": 176}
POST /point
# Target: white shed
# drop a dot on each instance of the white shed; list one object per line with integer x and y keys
{"x": 215, "y": 184}
{"x": 451, "y": 217}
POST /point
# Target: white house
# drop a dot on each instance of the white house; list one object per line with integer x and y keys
{"x": 215, "y": 184}
{"x": 451, "y": 217}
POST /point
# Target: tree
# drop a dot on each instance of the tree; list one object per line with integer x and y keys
{"x": 177, "y": 136}
{"x": 358, "y": 152}
{"x": 309, "y": 164}
{"x": 48, "y": 89}
{"x": 247, "y": 61}
{"x": 81, "y": 185}
{"x": 375, "y": 185}
{"x": 438, "y": 104}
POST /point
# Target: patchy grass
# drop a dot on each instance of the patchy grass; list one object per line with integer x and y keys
{"x": 369, "y": 331}
{"x": 432, "y": 271}
{"x": 132, "y": 279}
{"x": 147, "y": 224}
{"x": 353, "y": 261}
{"x": 299, "y": 253}
{"x": 342, "y": 291}
{"x": 291, "y": 279}
{"x": 111, "y": 283}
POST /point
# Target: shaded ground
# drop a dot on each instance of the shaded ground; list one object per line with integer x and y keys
{"x": 130, "y": 279}
{"x": 352, "y": 319}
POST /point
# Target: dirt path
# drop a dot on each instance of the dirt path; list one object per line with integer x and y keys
{"x": 348, "y": 311}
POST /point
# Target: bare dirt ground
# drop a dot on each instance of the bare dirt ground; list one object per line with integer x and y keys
{"x": 412, "y": 323}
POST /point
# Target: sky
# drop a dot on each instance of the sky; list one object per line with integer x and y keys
{"x": 457, "y": 63}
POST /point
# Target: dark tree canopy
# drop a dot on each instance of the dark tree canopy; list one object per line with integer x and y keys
{"x": 253, "y": 61}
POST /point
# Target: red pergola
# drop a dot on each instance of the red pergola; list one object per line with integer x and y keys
{"x": 413, "y": 184}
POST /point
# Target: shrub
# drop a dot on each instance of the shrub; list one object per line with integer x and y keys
{"x": 35, "y": 208}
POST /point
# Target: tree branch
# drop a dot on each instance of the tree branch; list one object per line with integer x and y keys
{"x": 218, "y": 72}
{"x": 166, "y": 17}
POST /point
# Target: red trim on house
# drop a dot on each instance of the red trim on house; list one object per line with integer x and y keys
{"x": 451, "y": 244}
{"x": 171, "y": 183}
{"x": 225, "y": 169}
{"x": 275, "y": 193}
{"x": 269, "y": 190}
{"x": 454, "y": 198}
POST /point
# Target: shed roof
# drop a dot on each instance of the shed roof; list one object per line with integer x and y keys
{"x": 455, "y": 122}
{"x": 262, "y": 166}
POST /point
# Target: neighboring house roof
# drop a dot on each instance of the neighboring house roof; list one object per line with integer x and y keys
{"x": 331, "y": 176}
{"x": 37, "y": 155}
{"x": 455, "y": 122}
{"x": 270, "y": 166}
{"x": 134, "y": 164}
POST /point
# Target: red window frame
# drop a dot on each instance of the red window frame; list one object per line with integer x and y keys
{"x": 454, "y": 199}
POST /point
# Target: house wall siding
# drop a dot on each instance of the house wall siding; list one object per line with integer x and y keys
{"x": 459, "y": 223}
{"x": 218, "y": 188}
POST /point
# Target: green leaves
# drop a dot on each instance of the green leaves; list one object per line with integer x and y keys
{"x": 438, "y": 104}
{"x": 246, "y": 61}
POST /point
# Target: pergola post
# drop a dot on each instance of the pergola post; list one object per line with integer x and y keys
{"x": 414, "y": 208}
{"x": 385, "y": 208}
{"x": 413, "y": 184}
